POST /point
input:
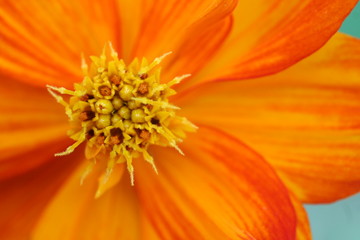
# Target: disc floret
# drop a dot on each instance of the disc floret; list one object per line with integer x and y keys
{"x": 120, "y": 110}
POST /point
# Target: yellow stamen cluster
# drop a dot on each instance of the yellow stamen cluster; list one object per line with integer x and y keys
{"x": 120, "y": 110}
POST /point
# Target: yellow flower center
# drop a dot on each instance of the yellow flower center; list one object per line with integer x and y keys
{"x": 120, "y": 110}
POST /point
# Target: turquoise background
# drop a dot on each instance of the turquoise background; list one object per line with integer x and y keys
{"x": 351, "y": 24}
{"x": 340, "y": 220}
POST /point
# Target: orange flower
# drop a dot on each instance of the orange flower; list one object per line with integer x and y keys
{"x": 273, "y": 131}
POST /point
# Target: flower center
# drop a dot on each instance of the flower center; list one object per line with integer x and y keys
{"x": 120, "y": 110}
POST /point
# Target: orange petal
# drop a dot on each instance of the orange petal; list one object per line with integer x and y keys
{"x": 74, "y": 213}
{"x": 109, "y": 180}
{"x": 23, "y": 198}
{"x": 17, "y": 162}
{"x": 303, "y": 120}
{"x": 32, "y": 127}
{"x": 220, "y": 189}
{"x": 192, "y": 30}
{"x": 41, "y": 46}
{"x": 303, "y": 231}
{"x": 269, "y": 36}
{"x": 197, "y": 47}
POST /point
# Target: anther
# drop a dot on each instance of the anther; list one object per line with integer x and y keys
{"x": 115, "y": 131}
{"x": 105, "y": 90}
{"x": 86, "y": 97}
{"x": 149, "y": 106}
{"x": 143, "y": 88}
{"x": 90, "y": 134}
{"x": 144, "y": 134}
{"x": 155, "y": 121}
{"x": 143, "y": 76}
{"x": 116, "y": 136}
{"x": 100, "y": 139}
{"x": 115, "y": 79}
{"x": 115, "y": 140}
{"x": 86, "y": 115}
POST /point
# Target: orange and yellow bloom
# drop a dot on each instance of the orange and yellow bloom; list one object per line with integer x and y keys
{"x": 268, "y": 96}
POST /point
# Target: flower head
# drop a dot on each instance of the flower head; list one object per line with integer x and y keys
{"x": 119, "y": 111}
{"x": 272, "y": 105}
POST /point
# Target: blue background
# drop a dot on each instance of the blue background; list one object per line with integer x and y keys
{"x": 340, "y": 220}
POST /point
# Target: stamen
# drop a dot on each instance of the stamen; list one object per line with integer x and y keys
{"x": 155, "y": 121}
{"x": 116, "y": 136}
{"x": 143, "y": 76}
{"x": 120, "y": 111}
{"x": 100, "y": 139}
{"x": 115, "y": 79}
{"x": 105, "y": 90}
{"x": 86, "y": 115}
{"x": 90, "y": 134}
{"x": 144, "y": 134}
{"x": 86, "y": 97}
{"x": 143, "y": 88}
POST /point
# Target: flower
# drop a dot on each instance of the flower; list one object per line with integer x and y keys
{"x": 276, "y": 118}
